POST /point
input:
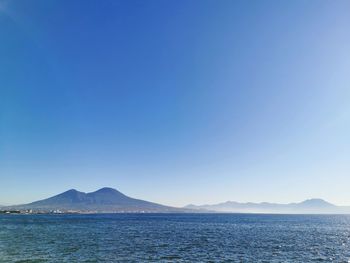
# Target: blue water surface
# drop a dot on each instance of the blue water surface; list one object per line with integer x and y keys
{"x": 174, "y": 238}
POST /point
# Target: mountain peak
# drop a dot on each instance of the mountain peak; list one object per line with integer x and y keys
{"x": 106, "y": 190}
{"x": 316, "y": 202}
{"x": 71, "y": 191}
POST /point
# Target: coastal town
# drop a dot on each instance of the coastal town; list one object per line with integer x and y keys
{"x": 30, "y": 211}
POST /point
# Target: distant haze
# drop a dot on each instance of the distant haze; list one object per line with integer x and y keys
{"x": 109, "y": 200}
{"x": 310, "y": 206}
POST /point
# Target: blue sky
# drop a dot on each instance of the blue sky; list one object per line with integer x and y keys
{"x": 175, "y": 102}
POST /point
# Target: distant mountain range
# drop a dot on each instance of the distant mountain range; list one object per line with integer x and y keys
{"x": 109, "y": 200}
{"x": 105, "y": 200}
{"x": 310, "y": 206}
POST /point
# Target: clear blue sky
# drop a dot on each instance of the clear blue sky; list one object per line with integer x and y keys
{"x": 175, "y": 101}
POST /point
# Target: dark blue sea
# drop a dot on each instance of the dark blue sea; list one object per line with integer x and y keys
{"x": 174, "y": 238}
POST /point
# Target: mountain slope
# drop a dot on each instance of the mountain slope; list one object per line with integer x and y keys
{"x": 310, "y": 206}
{"x": 102, "y": 200}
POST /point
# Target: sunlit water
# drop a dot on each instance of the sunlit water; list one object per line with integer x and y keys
{"x": 174, "y": 238}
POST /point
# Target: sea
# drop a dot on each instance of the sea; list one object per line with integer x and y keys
{"x": 174, "y": 238}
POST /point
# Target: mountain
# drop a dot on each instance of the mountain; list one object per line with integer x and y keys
{"x": 109, "y": 200}
{"x": 103, "y": 200}
{"x": 310, "y": 206}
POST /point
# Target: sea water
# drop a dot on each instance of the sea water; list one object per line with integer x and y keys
{"x": 174, "y": 238}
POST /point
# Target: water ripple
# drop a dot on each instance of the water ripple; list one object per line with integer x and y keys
{"x": 174, "y": 238}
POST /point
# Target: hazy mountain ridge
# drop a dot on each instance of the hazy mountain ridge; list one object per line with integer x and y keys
{"x": 310, "y": 206}
{"x": 109, "y": 200}
{"x": 103, "y": 200}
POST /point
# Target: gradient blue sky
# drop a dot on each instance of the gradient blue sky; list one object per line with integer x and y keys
{"x": 175, "y": 102}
